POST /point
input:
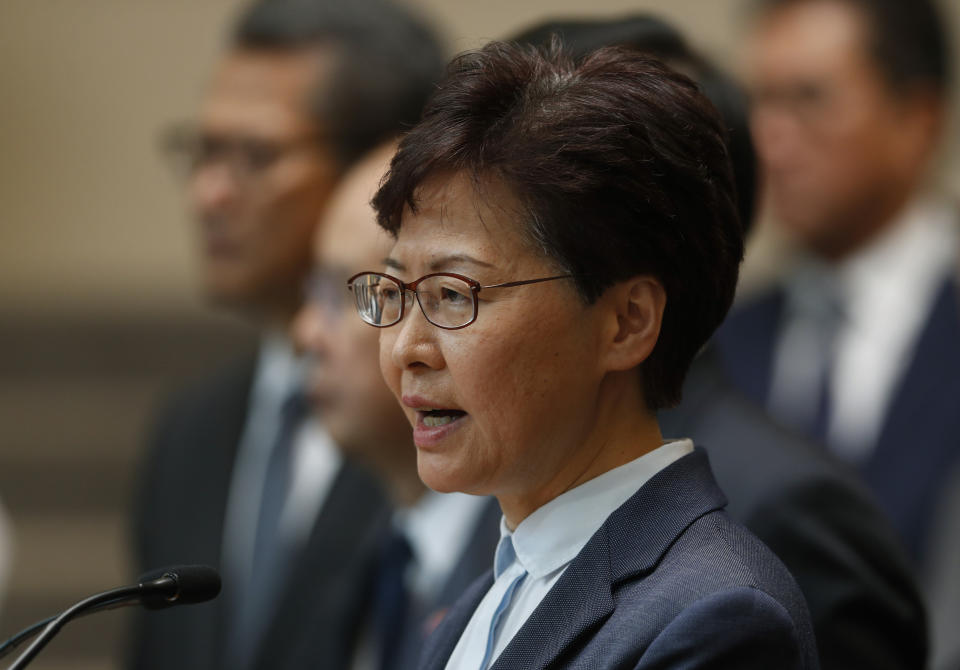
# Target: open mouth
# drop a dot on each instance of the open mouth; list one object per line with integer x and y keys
{"x": 433, "y": 418}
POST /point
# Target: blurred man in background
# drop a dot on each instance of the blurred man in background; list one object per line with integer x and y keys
{"x": 237, "y": 475}
{"x": 433, "y": 545}
{"x": 864, "y": 604}
{"x": 6, "y": 553}
{"x": 858, "y": 348}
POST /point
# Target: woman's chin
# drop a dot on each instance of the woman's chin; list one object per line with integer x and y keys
{"x": 438, "y": 473}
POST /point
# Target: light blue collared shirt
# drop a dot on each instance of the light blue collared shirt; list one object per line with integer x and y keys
{"x": 531, "y": 559}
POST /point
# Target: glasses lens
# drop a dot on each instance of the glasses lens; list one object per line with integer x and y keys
{"x": 379, "y": 299}
{"x": 446, "y": 301}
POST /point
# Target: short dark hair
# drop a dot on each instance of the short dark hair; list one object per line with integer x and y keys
{"x": 387, "y": 64}
{"x": 656, "y": 37}
{"x": 619, "y": 164}
{"x": 908, "y": 41}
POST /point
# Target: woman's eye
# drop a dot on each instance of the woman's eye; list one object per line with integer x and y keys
{"x": 389, "y": 294}
{"x": 453, "y": 296}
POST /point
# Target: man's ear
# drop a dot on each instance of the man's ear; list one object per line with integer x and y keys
{"x": 636, "y": 313}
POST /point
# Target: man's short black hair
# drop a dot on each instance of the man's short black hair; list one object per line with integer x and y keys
{"x": 656, "y": 37}
{"x": 908, "y": 41}
{"x": 619, "y": 164}
{"x": 387, "y": 64}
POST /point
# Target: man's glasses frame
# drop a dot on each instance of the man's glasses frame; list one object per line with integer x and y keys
{"x": 189, "y": 149}
{"x": 412, "y": 287}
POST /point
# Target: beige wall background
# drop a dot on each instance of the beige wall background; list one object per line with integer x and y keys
{"x": 98, "y": 310}
{"x": 89, "y": 214}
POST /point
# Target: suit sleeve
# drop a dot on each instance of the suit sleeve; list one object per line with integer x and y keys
{"x": 738, "y": 629}
{"x": 866, "y": 608}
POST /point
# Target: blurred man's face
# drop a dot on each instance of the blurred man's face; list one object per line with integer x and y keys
{"x": 344, "y": 381}
{"x": 840, "y": 150}
{"x": 261, "y": 179}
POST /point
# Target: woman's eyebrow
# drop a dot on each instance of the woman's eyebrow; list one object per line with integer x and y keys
{"x": 442, "y": 262}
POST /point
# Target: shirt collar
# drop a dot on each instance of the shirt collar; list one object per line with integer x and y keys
{"x": 438, "y": 526}
{"x": 279, "y": 370}
{"x": 908, "y": 258}
{"x": 555, "y": 533}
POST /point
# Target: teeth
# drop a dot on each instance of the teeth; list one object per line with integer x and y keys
{"x": 436, "y": 420}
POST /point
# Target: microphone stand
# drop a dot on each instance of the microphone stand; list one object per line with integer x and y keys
{"x": 178, "y": 585}
{"x": 107, "y": 598}
{"x": 10, "y": 645}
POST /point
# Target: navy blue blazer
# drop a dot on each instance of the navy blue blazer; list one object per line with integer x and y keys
{"x": 818, "y": 519}
{"x": 919, "y": 443}
{"x": 668, "y": 581}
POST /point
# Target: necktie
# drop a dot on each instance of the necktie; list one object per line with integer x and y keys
{"x": 829, "y": 319}
{"x": 801, "y": 391}
{"x": 506, "y": 556}
{"x": 391, "y": 601}
{"x": 271, "y": 553}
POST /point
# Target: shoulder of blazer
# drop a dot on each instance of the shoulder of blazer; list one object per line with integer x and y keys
{"x": 627, "y": 547}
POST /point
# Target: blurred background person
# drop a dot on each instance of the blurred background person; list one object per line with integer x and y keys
{"x": 6, "y": 553}
{"x": 864, "y": 602}
{"x": 859, "y": 347}
{"x": 433, "y": 545}
{"x": 944, "y": 574}
{"x": 238, "y": 476}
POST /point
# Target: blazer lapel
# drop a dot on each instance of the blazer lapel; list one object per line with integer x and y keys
{"x": 628, "y": 544}
{"x": 580, "y": 601}
{"x": 439, "y": 646}
{"x": 920, "y": 435}
{"x": 220, "y": 429}
{"x": 321, "y": 601}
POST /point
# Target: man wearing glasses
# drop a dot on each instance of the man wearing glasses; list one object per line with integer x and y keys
{"x": 857, "y": 345}
{"x": 237, "y": 475}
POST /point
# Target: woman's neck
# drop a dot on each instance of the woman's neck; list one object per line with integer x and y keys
{"x": 623, "y": 430}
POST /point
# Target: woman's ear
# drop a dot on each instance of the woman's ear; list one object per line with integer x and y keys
{"x": 636, "y": 312}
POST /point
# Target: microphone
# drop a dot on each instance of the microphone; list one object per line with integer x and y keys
{"x": 157, "y": 589}
{"x": 180, "y": 585}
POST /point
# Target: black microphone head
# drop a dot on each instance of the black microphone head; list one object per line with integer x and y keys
{"x": 179, "y": 585}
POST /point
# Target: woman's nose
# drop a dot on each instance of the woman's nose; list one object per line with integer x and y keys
{"x": 413, "y": 343}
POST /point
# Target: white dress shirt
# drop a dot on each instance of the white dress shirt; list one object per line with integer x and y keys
{"x": 439, "y": 526}
{"x": 316, "y": 460}
{"x": 531, "y": 558}
{"x": 885, "y": 293}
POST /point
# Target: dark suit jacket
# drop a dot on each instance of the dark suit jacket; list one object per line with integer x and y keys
{"x": 179, "y": 519}
{"x": 919, "y": 442}
{"x": 476, "y": 559}
{"x": 668, "y": 581}
{"x": 820, "y": 521}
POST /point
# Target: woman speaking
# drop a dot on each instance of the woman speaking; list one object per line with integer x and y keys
{"x": 566, "y": 240}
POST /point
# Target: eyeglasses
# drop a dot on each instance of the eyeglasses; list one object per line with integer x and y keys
{"x": 447, "y": 300}
{"x": 246, "y": 157}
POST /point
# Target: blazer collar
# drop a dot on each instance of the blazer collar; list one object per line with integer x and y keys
{"x": 628, "y": 545}
{"x": 443, "y": 640}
